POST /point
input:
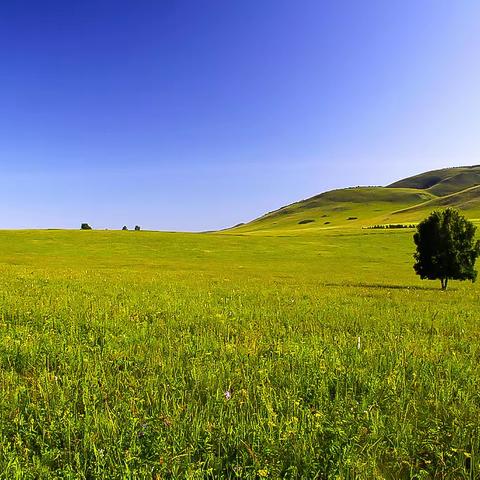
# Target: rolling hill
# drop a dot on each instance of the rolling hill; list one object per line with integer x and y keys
{"x": 467, "y": 200}
{"x": 405, "y": 201}
{"x": 443, "y": 182}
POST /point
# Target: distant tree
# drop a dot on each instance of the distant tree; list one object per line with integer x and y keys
{"x": 85, "y": 226}
{"x": 446, "y": 247}
{"x": 137, "y": 228}
{"x": 124, "y": 227}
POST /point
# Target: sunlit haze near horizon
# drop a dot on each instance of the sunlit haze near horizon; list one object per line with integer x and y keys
{"x": 188, "y": 115}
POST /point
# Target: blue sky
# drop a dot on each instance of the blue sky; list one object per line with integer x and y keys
{"x": 193, "y": 115}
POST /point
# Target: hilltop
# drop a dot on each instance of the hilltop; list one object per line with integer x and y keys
{"x": 444, "y": 181}
{"x": 406, "y": 200}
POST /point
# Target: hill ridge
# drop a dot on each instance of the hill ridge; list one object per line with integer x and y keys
{"x": 406, "y": 200}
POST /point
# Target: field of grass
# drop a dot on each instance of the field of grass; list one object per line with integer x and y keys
{"x": 172, "y": 356}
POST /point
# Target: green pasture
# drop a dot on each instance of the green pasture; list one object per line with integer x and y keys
{"x": 189, "y": 356}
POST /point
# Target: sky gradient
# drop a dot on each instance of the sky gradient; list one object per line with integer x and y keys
{"x": 197, "y": 115}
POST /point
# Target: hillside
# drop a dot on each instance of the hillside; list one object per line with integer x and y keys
{"x": 407, "y": 200}
{"x": 467, "y": 200}
{"x": 442, "y": 182}
{"x": 345, "y": 207}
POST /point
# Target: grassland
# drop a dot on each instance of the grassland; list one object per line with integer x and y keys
{"x": 117, "y": 350}
{"x": 444, "y": 181}
{"x": 344, "y": 208}
{"x": 406, "y": 201}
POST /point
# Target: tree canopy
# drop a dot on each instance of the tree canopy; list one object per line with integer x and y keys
{"x": 446, "y": 247}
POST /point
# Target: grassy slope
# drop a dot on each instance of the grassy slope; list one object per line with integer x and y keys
{"x": 116, "y": 349}
{"x": 369, "y": 205}
{"x": 405, "y": 201}
{"x": 467, "y": 200}
{"x": 456, "y": 183}
{"x": 444, "y": 181}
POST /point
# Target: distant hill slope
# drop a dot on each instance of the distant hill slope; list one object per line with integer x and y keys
{"x": 405, "y": 201}
{"x": 443, "y": 182}
{"x": 467, "y": 200}
{"x": 349, "y": 206}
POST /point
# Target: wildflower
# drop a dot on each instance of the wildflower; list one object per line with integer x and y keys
{"x": 263, "y": 473}
{"x": 227, "y": 395}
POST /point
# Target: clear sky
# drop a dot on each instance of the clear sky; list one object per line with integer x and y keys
{"x": 193, "y": 115}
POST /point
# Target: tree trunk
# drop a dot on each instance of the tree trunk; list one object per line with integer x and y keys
{"x": 444, "y": 283}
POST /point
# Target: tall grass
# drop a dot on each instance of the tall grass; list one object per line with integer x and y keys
{"x": 137, "y": 355}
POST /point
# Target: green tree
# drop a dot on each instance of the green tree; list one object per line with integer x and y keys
{"x": 85, "y": 226}
{"x": 446, "y": 247}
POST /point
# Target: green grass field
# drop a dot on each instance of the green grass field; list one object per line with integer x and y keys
{"x": 117, "y": 350}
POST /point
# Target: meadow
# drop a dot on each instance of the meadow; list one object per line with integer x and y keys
{"x": 190, "y": 356}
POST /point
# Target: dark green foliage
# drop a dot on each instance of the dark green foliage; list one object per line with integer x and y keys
{"x": 124, "y": 227}
{"x": 304, "y": 222}
{"x": 446, "y": 247}
{"x": 85, "y": 226}
{"x": 390, "y": 225}
{"x": 137, "y": 228}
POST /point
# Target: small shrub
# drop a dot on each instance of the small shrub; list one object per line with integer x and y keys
{"x": 85, "y": 226}
{"x": 390, "y": 225}
{"x": 304, "y": 222}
